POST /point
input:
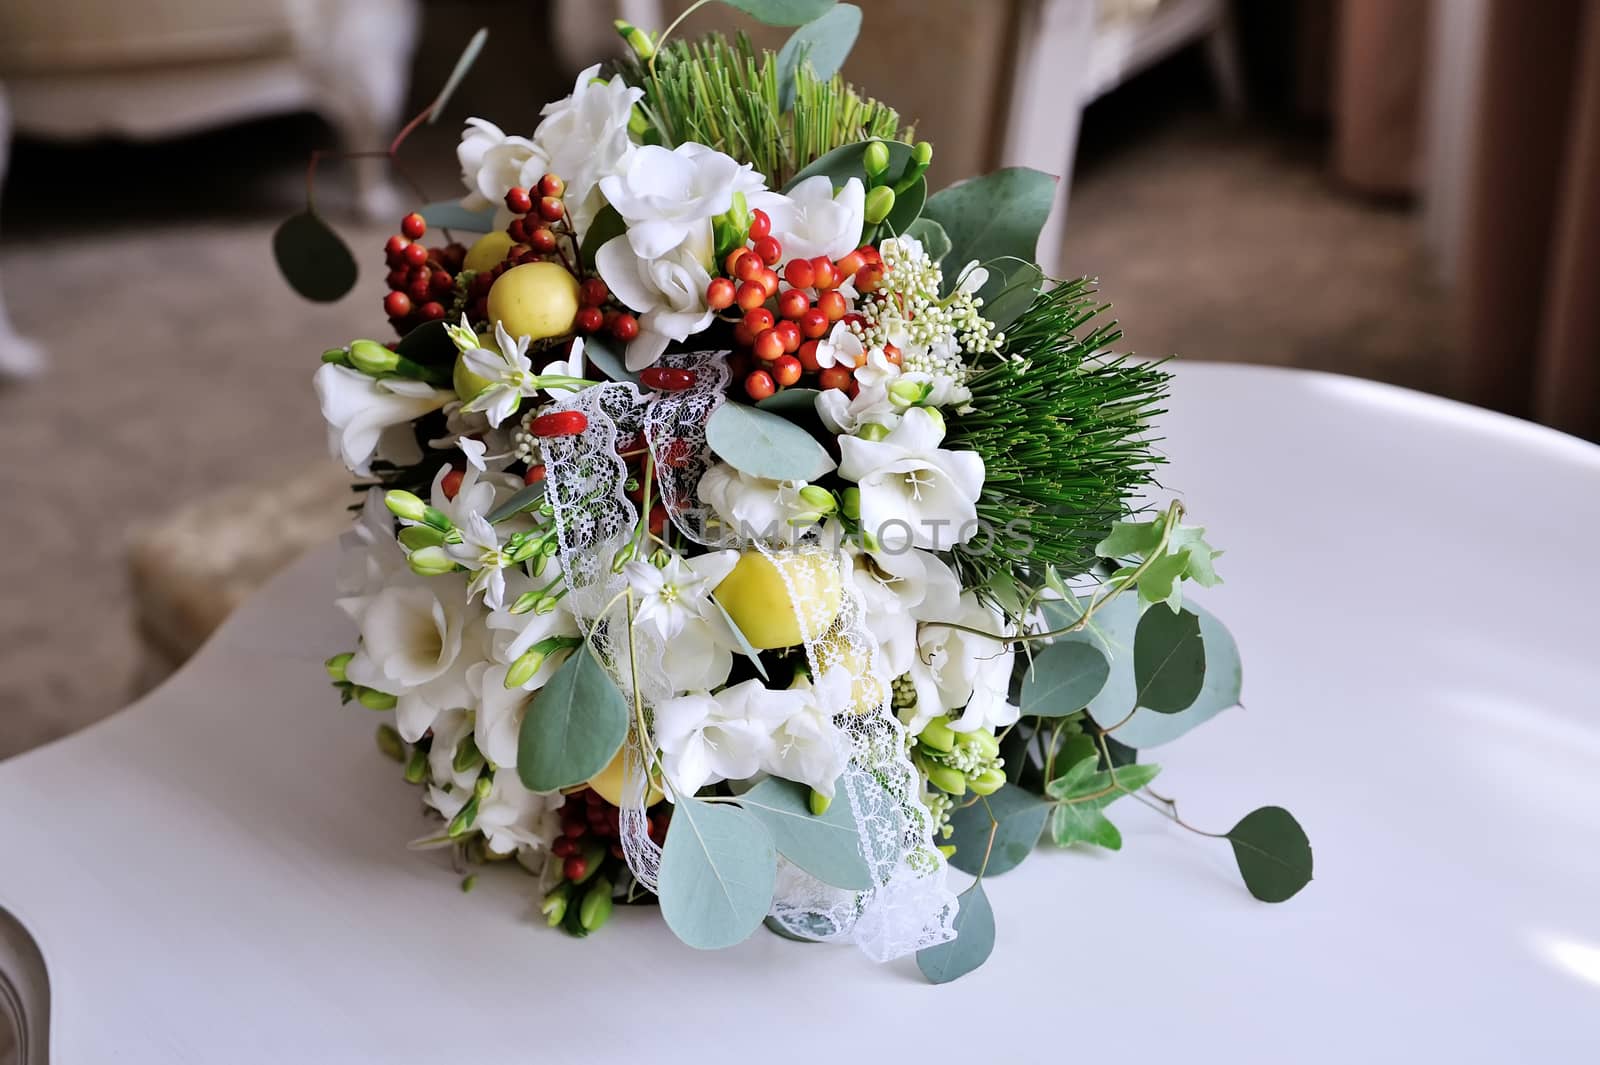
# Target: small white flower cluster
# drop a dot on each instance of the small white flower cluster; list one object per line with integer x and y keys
{"x": 906, "y": 310}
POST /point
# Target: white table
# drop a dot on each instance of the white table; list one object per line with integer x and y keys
{"x": 219, "y": 872}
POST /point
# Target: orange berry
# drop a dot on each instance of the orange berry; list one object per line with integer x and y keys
{"x": 814, "y": 323}
{"x": 720, "y": 293}
{"x": 768, "y": 280}
{"x": 759, "y": 385}
{"x": 798, "y": 273}
{"x": 768, "y": 345}
{"x": 825, "y": 274}
{"x": 757, "y": 319}
{"x": 835, "y": 377}
{"x": 808, "y": 357}
{"x": 748, "y": 267}
{"x": 786, "y": 370}
{"x": 789, "y": 334}
{"x": 831, "y": 304}
{"x": 769, "y": 249}
{"x": 750, "y": 296}
{"x": 793, "y": 304}
{"x": 851, "y": 263}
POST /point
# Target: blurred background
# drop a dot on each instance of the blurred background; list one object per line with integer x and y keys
{"x": 1396, "y": 189}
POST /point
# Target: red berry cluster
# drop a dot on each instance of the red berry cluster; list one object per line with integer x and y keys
{"x": 594, "y": 316}
{"x": 590, "y": 833}
{"x": 777, "y": 333}
{"x": 421, "y": 280}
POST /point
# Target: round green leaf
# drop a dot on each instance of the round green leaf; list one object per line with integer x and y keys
{"x": 574, "y": 726}
{"x": 791, "y": 399}
{"x": 993, "y": 216}
{"x": 828, "y": 847}
{"x": 607, "y": 224}
{"x": 974, "y": 941}
{"x": 448, "y": 214}
{"x": 718, "y": 870}
{"x": 602, "y": 353}
{"x": 1223, "y": 683}
{"x": 1169, "y": 659}
{"x": 1064, "y": 677}
{"x": 935, "y": 241}
{"x": 846, "y": 162}
{"x": 823, "y": 43}
{"x": 1273, "y": 853}
{"x": 313, "y": 258}
{"x": 428, "y": 344}
{"x": 763, "y": 444}
{"x": 1017, "y": 816}
{"x": 783, "y": 12}
{"x": 1012, "y": 287}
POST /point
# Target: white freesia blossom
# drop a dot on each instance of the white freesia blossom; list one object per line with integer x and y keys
{"x": 481, "y": 552}
{"x": 572, "y": 365}
{"x": 449, "y": 729}
{"x": 898, "y": 589}
{"x": 366, "y": 415}
{"x": 806, "y": 745}
{"x": 514, "y": 635}
{"x": 666, "y": 196}
{"x": 843, "y": 415}
{"x": 914, "y": 493}
{"x": 506, "y": 367}
{"x": 704, "y": 739}
{"x": 812, "y": 220}
{"x": 412, "y": 637}
{"x": 669, "y": 596}
{"x": 499, "y": 712}
{"x": 841, "y": 347}
{"x": 754, "y": 508}
{"x": 956, "y": 670}
{"x": 972, "y": 278}
{"x": 369, "y": 555}
{"x": 701, "y": 654}
{"x": 512, "y": 818}
{"x": 582, "y": 139}
{"x": 667, "y": 290}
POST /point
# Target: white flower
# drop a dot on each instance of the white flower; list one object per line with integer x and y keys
{"x": 514, "y": 635}
{"x": 500, "y": 712}
{"x": 506, "y": 367}
{"x": 584, "y": 139}
{"x": 674, "y": 593}
{"x": 492, "y": 163}
{"x": 973, "y": 277}
{"x": 449, "y": 729}
{"x": 956, "y": 670}
{"x": 411, "y": 647}
{"x": 369, "y": 555}
{"x": 701, "y": 655}
{"x": 843, "y": 415}
{"x": 512, "y": 818}
{"x": 841, "y": 347}
{"x": 480, "y": 551}
{"x": 914, "y": 493}
{"x": 812, "y": 220}
{"x": 705, "y": 739}
{"x": 754, "y": 508}
{"x": 899, "y": 589}
{"x": 667, "y": 195}
{"x": 667, "y": 290}
{"x": 363, "y": 412}
{"x": 807, "y": 746}
{"x": 570, "y": 366}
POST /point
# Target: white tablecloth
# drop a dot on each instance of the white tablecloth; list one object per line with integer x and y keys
{"x": 219, "y": 873}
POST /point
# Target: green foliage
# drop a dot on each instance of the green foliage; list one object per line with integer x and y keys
{"x": 469, "y": 56}
{"x": 313, "y": 259}
{"x": 1169, "y": 660}
{"x": 574, "y": 726}
{"x": 448, "y": 214}
{"x": 1017, "y": 818}
{"x": 723, "y": 94}
{"x": 849, "y": 161}
{"x": 1083, "y": 792}
{"x": 602, "y": 353}
{"x": 1273, "y": 853}
{"x": 1063, "y": 678}
{"x": 1184, "y": 555}
{"x": 1063, "y": 431}
{"x": 718, "y": 871}
{"x": 992, "y": 217}
{"x": 763, "y": 444}
{"x": 826, "y": 846}
{"x": 797, "y": 400}
{"x": 1223, "y": 683}
{"x": 935, "y": 241}
{"x": 783, "y": 12}
{"x": 974, "y": 941}
{"x": 823, "y": 42}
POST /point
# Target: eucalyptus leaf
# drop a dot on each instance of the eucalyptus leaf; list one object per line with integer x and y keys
{"x": 607, "y": 224}
{"x": 313, "y": 258}
{"x": 718, "y": 871}
{"x": 469, "y": 55}
{"x": 847, "y": 161}
{"x": 827, "y": 846}
{"x": 740, "y": 638}
{"x": 1273, "y": 853}
{"x": 1017, "y": 817}
{"x": 574, "y": 726}
{"x": 1012, "y": 287}
{"x": 525, "y": 497}
{"x": 974, "y": 941}
{"x": 791, "y": 399}
{"x": 448, "y": 214}
{"x": 763, "y": 444}
{"x": 1169, "y": 660}
{"x": 990, "y": 217}
{"x": 605, "y": 358}
{"x": 783, "y": 12}
{"x": 935, "y": 241}
{"x": 1064, "y": 678}
{"x": 823, "y": 43}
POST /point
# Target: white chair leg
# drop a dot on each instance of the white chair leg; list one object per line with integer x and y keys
{"x": 19, "y": 356}
{"x": 363, "y": 98}
{"x": 1222, "y": 54}
{"x": 1047, "y": 104}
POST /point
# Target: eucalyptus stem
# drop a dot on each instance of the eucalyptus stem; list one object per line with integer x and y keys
{"x": 662, "y": 40}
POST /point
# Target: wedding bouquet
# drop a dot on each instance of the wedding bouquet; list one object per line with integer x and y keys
{"x": 749, "y": 530}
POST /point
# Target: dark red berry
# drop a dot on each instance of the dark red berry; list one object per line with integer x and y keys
{"x": 397, "y": 305}
{"x": 551, "y": 209}
{"x": 574, "y": 868}
{"x": 535, "y": 474}
{"x": 440, "y": 282}
{"x": 413, "y": 225}
{"x": 451, "y": 483}
{"x": 625, "y": 327}
{"x": 517, "y": 230}
{"x": 769, "y": 249}
{"x": 431, "y": 311}
{"x": 415, "y": 254}
{"x": 593, "y": 292}
{"x": 551, "y": 185}
{"x": 589, "y": 320}
{"x": 760, "y": 224}
{"x": 518, "y": 201}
